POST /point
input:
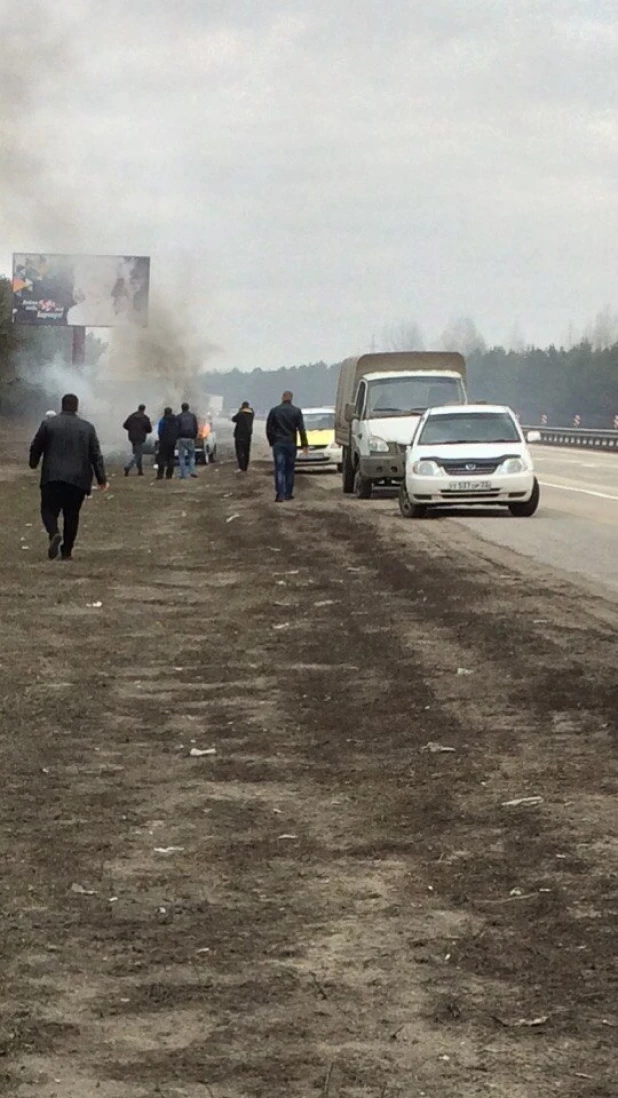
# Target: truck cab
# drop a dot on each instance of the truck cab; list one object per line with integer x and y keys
{"x": 380, "y": 400}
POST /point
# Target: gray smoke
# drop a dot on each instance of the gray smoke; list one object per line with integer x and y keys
{"x": 43, "y": 209}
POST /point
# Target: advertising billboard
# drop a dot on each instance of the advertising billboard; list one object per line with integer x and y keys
{"x": 90, "y": 291}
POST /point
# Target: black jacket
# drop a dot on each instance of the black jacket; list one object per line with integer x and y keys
{"x": 70, "y": 450}
{"x": 138, "y": 426}
{"x": 284, "y": 423}
{"x": 187, "y": 425}
{"x": 168, "y": 430}
{"x": 244, "y": 423}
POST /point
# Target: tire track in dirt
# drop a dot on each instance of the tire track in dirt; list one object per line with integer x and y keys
{"x": 370, "y": 952}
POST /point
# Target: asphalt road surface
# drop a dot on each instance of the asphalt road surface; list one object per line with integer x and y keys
{"x": 575, "y": 528}
{"x": 301, "y": 801}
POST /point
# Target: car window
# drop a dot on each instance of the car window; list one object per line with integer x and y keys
{"x": 319, "y": 421}
{"x": 472, "y": 427}
{"x": 360, "y": 399}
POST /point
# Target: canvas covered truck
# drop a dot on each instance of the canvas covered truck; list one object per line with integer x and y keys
{"x": 380, "y": 400}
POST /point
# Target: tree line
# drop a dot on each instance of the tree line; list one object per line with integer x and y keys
{"x": 555, "y": 382}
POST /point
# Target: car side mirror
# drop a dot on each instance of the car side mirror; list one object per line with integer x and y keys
{"x": 349, "y": 413}
{"x": 533, "y": 436}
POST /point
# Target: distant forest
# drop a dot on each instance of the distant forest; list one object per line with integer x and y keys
{"x": 556, "y": 382}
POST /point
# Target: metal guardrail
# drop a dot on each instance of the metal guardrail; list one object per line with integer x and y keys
{"x": 577, "y": 437}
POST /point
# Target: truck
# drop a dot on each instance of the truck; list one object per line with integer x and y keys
{"x": 380, "y": 400}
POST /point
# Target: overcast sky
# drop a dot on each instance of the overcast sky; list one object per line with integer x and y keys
{"x": 305, "y": 174}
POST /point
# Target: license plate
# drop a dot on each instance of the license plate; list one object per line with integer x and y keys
{"x": 470, "y": 485}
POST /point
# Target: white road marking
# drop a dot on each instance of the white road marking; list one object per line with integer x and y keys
{"x": 581, "y": 491}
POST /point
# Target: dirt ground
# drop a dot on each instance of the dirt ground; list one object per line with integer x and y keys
{"x": 330, "y": 904}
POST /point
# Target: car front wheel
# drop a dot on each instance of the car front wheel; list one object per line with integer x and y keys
{"x": 363, "y": 487}
{"x": 526, "y": 508}
{"x": 408, "y": 509}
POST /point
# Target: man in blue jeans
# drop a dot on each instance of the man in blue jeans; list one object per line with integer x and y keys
{"x": 284, "y": 426}
{"x": 187, "y": 433}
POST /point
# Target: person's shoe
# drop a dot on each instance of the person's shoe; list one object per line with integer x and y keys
{"x": 65, "y": 556}
{"x": 126, "y": 472}
{"x": 54, "y": 546}
{"x": 140, "y": 472}
{"x": 279, "y": 499}
{"x": 194, "y": 476}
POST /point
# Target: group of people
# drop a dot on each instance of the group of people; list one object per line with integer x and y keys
{"x": 71, "y": 457}
{"x": 175, "y": 432}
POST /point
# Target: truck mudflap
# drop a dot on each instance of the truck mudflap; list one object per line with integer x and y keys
{"x": 383, "y": 467}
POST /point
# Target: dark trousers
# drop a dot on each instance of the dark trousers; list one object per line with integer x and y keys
{"x": 136, "y": 457}
{"x": 57, "y": 497}
{"x": 243, "y": 452}
{"x": 284, "y": 455}
{"x": 165, "y": 460}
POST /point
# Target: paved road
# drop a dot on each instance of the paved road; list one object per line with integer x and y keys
{"x": 576, "y": 527}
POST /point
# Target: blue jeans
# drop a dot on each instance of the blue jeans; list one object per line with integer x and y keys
{"x": 186, "y": 457}
{"x": 136, "y": 457}
{"x": 284, "y": 455}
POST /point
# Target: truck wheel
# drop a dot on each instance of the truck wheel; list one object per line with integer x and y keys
{"x": 408, "y": 509}
{"x": 347, "y": 472}
{"x": 363, "y": 487}
{"x": 526, "y": 509}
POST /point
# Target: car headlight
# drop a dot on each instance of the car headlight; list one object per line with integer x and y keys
{"x": 378, "y": 445}
{"x": 426, "y": 469}
{"x": 514, "y": 465}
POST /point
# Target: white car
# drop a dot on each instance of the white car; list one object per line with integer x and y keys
{"x": 473, "y": 454}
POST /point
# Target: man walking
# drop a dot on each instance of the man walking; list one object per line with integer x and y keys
{"x": 243, "y": 432}
{"x": 284, "y": 426}
{"x": 71, "y": 455}
{"x": 187, "y": 433}
{"x": 138, "y": 427}
{"x": 168, "y": 436}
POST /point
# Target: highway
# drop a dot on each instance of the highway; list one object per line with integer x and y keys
{"x": 576, "y": 526}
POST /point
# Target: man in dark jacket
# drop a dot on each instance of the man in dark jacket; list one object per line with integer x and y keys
{"x": 168, "y": 435}
{"x": 284, "y": 426}
{"x": 138, "y": 427}
{"x": 71, "y": 455}
{"x": 187, "y": 433}
{"x": 243, "y": 432}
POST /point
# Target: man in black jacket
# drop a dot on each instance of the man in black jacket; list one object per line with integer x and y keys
{"x": 168, "y": 435}
{"x": 243, "y": 432}
{"x": 187, "y": 433}
{"x": 284, "y": 426}
{"x": 138, "y": 427}
{"x": 71, "y": 455}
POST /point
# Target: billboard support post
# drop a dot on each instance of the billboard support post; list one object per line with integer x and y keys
{"x": 78, "y": 357}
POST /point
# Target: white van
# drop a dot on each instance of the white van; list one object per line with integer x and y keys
{"x": 380, "y": 399}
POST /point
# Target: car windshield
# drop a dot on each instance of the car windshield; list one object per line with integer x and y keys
{"x": 319, "y": 421}
{"x": 401, "y": 396}
{"x": 473, "y": 427}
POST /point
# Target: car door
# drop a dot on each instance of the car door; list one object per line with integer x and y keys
{"x": 358, "y": 425}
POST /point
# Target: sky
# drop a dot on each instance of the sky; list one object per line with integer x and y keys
{"x": 311, "y": 176}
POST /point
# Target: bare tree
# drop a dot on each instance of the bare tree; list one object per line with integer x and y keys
{"x": 462, "y": 334}
{"x": 403, "y": 336}
{"x": 603, "y": 332}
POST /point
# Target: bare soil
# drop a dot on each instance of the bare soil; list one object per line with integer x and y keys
{"x": 330, "y": 905}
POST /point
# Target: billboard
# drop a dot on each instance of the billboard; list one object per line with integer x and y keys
{"x": 91, "y": 291}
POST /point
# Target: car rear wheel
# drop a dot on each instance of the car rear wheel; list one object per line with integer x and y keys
{"x": 347, "y": 472}
{"x": 525, "y": 509}
{"x": 408, "y": 509}
{"x": 363, "y": 487}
